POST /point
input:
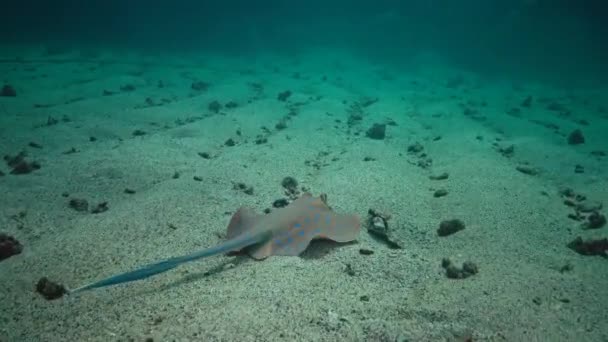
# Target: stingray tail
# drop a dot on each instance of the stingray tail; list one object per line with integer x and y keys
{"x": 147, "y": 271}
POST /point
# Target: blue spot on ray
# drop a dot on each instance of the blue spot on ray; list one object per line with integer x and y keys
{"x": 297, "y": 225}
{"x": 317, "y": 217}
{"x": 302, "y": 232}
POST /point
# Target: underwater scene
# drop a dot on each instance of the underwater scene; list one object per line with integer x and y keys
{"x": 283, "y": 170}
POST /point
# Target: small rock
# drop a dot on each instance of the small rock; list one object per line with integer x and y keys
{"x": 415, "y": 148}
{"x": 365, "y": 251}
{"x": 50, "y": 290}
{"x": 9, "y": 246}
{"x": 283, "y": 96}
{"x": 579, "y": 169}
{"x": 440, "y": 193}
{"x": 441, "y": 176}
{"x": 453, "y": 272}
{"x": 129, "y": 191}
{"x": 127, "y": 88}
{"x": 198, "y": 178}
{"x": 199, "y": 86}
{"x": 215, "y": 106}
{"x": 230, "y": 142}
{"x": 595, "y": 220}
{"x": 589, "y": 247}
{"x": 576, "y": 137}
{"x": 280, "y": 203}
{"x": 527, "y": 102}
{"x": 138, "y": 133}
{"x": 376, "y": 132}
{"x": 79, "y": 204}
{"x": 8, "y": 91}
{"x": 528, "y": 170}
{"x": 100, "y": 208}
{"x": 449, "y": 227}
{"x": 289, "y": 183}
{"x": 204, "y": 155}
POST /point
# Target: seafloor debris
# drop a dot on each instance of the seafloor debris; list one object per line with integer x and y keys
{"x": 449, "y": 227}
{"x": 452, "y": 271}
{"x": 377, "y": 226}
{"x": 50, "y": 290}
{"x": 9, "y": 246}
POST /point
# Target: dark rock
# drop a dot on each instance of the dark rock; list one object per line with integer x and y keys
{"x": 50, "y": 290}
{"x": 376, "y": 132}
{"x": 8, "y": 91}
{"x": 25, "y": 168}
{"x": 129, "y": 191}
{"x": 289, "y": 183}
{"x": 415, "y": 148}
{"x": 365, "y": 251}
{"x": 576, "y": 137}
{"x": 9, "y": 246}
{"x": 127, "y": 88}
{"x": 12, "y": 161}
{"x": 281, "y": 125}
{"x": 449, "y": 227}
{"x": 34, "y": 144}
{"x": 230, "y": 142}
{"x": 199, "y": 86}
{"x": 527, "y": 102}
{"x": 231, "y": 105}
{"x": 100, "y": 208}
{"x": 440, "y": 193}
{"x": 579, "y": 168}
{"x": 259, "y": 140}
{"x": 92, "y": 139}
{"x": 453, "y": 272}
{"x": 595, "y": 220}
{"x": 526, "y": 169}
{"x": 215, "y": 106}
{"x": 589, "y": 247}
{"x": 280, "y": 203}
{"x": 198, "y": 178}
{"x": 440, "y": 176}
{"x": 204, "y": 155}
{"x": 138, "y": 133}
{"x": 507, "y": 151}
{"x": 79, "y": 204}
{"x": 283, "y": 96}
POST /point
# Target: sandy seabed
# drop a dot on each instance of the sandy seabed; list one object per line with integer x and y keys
{"x": 114, "y": 121}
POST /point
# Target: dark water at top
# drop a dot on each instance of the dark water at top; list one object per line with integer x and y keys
{"x": 556, "y": 40}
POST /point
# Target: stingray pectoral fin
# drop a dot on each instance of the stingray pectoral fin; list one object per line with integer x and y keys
{"x": 144, "y": 272}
